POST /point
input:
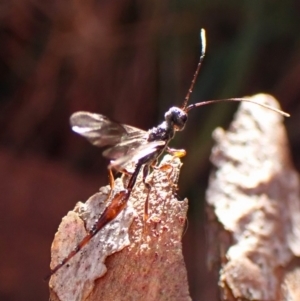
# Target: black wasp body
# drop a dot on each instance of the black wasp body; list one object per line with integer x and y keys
{"x": 129, "y": 146}
{"x": 175, "y": 120}
{"x": 158, "y": 137}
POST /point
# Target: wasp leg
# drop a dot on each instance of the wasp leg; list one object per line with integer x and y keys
{"x": 110, "y": 212}
{"x": 148, "y": 186}
{"x": 125, "y": 171}
{"x": 111, "y": 181}
{"x": 168, "y": 167}
{"x": 176, "y": 152}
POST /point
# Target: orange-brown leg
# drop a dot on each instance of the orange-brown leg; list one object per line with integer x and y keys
{"x": 176, "y": 152}
{"x": 111, "y": 181}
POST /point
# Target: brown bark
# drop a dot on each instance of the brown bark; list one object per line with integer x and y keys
{"x": 122, "y": 262}
{"x": 254, "y": 208}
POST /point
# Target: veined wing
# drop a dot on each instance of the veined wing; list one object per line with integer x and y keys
{"x": 101, "y": 131}
{"x": 135, "y": 155}
{"x": 134, "y": 138}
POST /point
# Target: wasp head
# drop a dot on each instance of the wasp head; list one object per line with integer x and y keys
{"x": 176, "y": 117}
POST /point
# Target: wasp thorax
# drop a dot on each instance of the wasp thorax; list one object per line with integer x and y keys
{"x": 176, "y": 117}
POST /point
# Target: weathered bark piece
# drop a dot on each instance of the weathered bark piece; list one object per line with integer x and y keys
{"x": 75, "y": 281}
{"x": 147, "y": 262}
{"x": 254, "y": 207}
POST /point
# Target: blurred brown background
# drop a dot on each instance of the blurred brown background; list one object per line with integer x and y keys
{"x": 130, "y": 60}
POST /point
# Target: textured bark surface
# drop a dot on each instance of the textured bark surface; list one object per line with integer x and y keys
{"x": 254, "y": 208}
{"x": 123, "y": 261}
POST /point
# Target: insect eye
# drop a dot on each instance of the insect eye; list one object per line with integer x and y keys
{"x": 184, "y": 118}
{"x": 179, "y": 120}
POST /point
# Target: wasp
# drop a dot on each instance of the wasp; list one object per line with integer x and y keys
{"x": 130, "y": 146}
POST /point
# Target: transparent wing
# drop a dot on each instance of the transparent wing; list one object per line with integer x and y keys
{"x": 122, "y": 149}
{"x": 133, "y": 132}
{"x": 98, "y": 129}
{"x": 134, "y": 156}
{"x": 102, "y": 131}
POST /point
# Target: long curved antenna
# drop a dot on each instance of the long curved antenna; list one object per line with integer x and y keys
{"x": 204, "y": 103}
{"x": 203, "y": 48}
